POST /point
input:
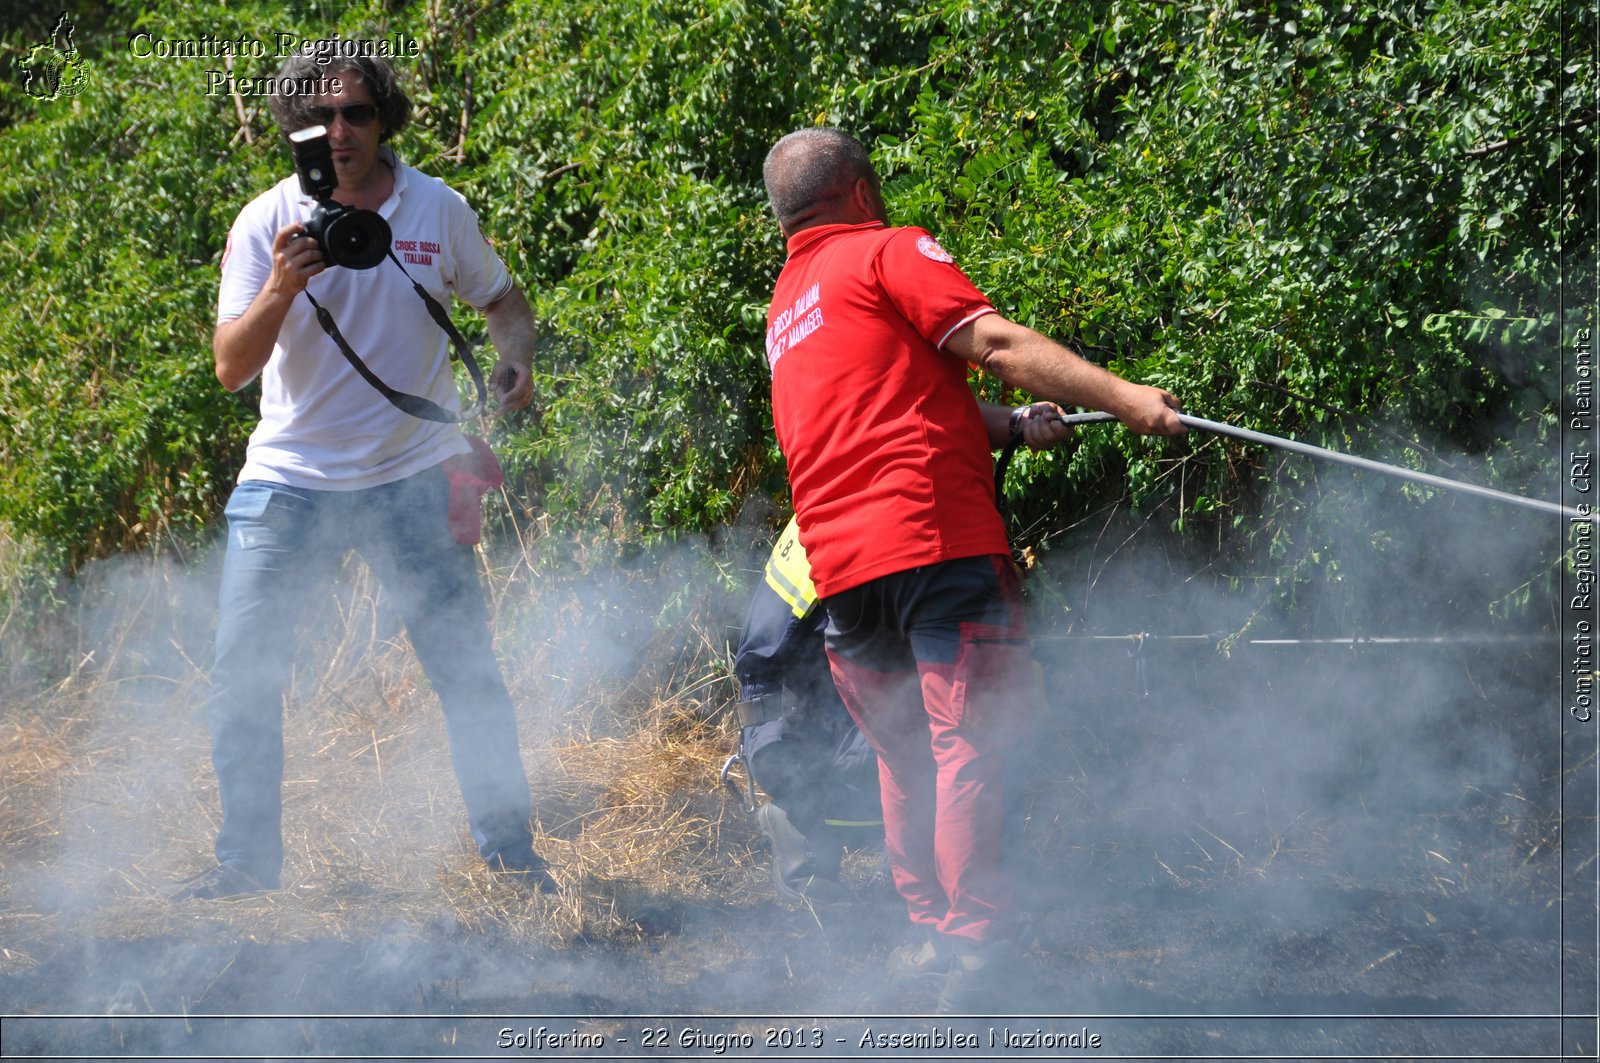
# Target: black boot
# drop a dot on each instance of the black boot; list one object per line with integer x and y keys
{"x": 800, "y": 875}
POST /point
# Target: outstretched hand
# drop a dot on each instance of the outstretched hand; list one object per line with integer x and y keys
{"x": 1152, "y": 411}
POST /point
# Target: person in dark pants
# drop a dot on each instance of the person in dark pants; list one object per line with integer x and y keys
{"x": 870, "y": 335}
{"x": 797, "y": 739}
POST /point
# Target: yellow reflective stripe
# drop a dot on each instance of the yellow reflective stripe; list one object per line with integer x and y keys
{"x": 789, "y": 573}
{"x": 853, "y": 822}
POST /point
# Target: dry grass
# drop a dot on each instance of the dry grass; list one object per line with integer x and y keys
{"x": 108, "y": 796}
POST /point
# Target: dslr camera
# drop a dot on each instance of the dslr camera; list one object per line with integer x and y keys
{"x": 347, "y": 236}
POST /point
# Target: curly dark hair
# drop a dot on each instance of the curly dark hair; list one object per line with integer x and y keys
{"x": 290, "y": 109}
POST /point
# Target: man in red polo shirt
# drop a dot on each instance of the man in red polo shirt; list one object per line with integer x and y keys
{"x": 869, "y": 337}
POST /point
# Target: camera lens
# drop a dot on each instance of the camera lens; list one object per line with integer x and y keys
{"x": 358, "y": 239}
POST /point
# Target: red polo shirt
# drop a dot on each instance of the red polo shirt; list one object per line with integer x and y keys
{"x": 888, "y": 457}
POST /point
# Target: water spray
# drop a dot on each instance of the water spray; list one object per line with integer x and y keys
{"x": 1369, "y": 464}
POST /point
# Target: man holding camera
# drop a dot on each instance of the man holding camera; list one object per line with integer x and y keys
{"x": 334, "y": 466}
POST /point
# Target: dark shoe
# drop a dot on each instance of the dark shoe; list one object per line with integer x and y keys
{"x": 224, "y": 880}
{"x": 981, "y": 979}
{"x": 811, "y": 891}
{"x": 798, "y": 877}
{"x": 920, "y": 962}
{"x": 529, "y": 871}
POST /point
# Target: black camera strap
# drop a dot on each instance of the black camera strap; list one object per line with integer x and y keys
{"x": 415, "y": 405}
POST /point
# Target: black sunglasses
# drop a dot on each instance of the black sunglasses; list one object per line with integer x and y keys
{"x": 354, "y": 114}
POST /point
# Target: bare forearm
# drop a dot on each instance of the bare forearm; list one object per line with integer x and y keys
{"x": 511, "y": 328}
{"x": 997, "y": 422}
{"x": 242, "y": 347}
{"x": 1038, "y": 365}
{"x": 1028, "y": 360}
{"x": 514, "y": 334}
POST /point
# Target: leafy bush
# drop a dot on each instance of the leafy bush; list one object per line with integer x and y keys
{"x": 1340, "y": 222}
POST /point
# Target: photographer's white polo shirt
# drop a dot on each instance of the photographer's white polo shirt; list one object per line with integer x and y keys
{"x": 322, "y": 426}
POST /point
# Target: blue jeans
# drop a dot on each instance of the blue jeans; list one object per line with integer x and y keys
{"x": 284, "y": 545}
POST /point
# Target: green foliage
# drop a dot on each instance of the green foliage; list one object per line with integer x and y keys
{"x": 1246, "y": 206}
{"x": 1340, "y": 222}
{"x": 113, "y": 207}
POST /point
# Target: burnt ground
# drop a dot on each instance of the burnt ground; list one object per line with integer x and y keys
{"x": 1193, "y": 980}
{"x": 1365, "y": 853}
